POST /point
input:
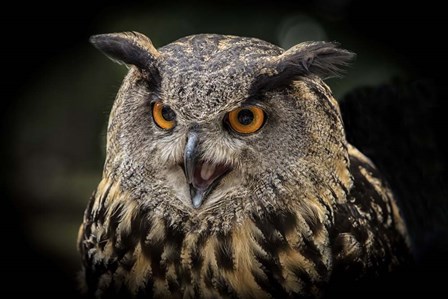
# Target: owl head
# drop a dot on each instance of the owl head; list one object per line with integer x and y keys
{"x": 215, "y": 126}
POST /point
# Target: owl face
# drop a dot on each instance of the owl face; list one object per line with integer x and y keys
{"x": 210, "y": 119}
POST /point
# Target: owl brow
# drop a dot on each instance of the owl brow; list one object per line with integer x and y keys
{"x": 253, "y": 100}
{"x": 265, "y": 83}
{"x": 152, "y": 78}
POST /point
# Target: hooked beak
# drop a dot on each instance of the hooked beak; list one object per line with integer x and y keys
{"x": 190, "y": 155}
{"x": 202, "y": 176}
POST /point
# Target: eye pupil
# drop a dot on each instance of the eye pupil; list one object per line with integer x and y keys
{"x": 168, "y": 114}
{"x": 245, "y": 117}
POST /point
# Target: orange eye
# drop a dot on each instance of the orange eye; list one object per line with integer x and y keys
{"x": 163, "y": 116}
{"x": 246, "y": 120}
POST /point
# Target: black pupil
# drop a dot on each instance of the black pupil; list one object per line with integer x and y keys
{"x": 245, "y": 117}
{"x": 168, "y": 114}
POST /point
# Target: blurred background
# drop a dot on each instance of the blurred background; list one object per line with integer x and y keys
{"x": 58, "y": 91}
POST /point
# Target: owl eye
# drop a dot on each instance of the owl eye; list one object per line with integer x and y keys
{"x": 246, "y": 120}
{"x": 163, "y": 116}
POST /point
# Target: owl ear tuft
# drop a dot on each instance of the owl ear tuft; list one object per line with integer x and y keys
{"x": 130, "y": 48}
{"x": 323, "y": 59}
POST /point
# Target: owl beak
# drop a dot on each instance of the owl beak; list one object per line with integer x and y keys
{"x": 190, "y": 156}
{"x": 201, "y": 176}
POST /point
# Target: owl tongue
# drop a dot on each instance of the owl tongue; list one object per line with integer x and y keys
{"x": 206, "y": 173}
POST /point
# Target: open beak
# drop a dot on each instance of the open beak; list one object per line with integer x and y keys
{"x": 202, "y": 176}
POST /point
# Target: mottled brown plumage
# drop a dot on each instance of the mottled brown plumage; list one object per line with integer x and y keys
{"x": 292, "y": 205}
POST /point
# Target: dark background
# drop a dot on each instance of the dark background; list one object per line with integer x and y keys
{"x": 57, "y": 92}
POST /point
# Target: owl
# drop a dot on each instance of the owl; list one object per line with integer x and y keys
{"x": 228, "y": 175}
